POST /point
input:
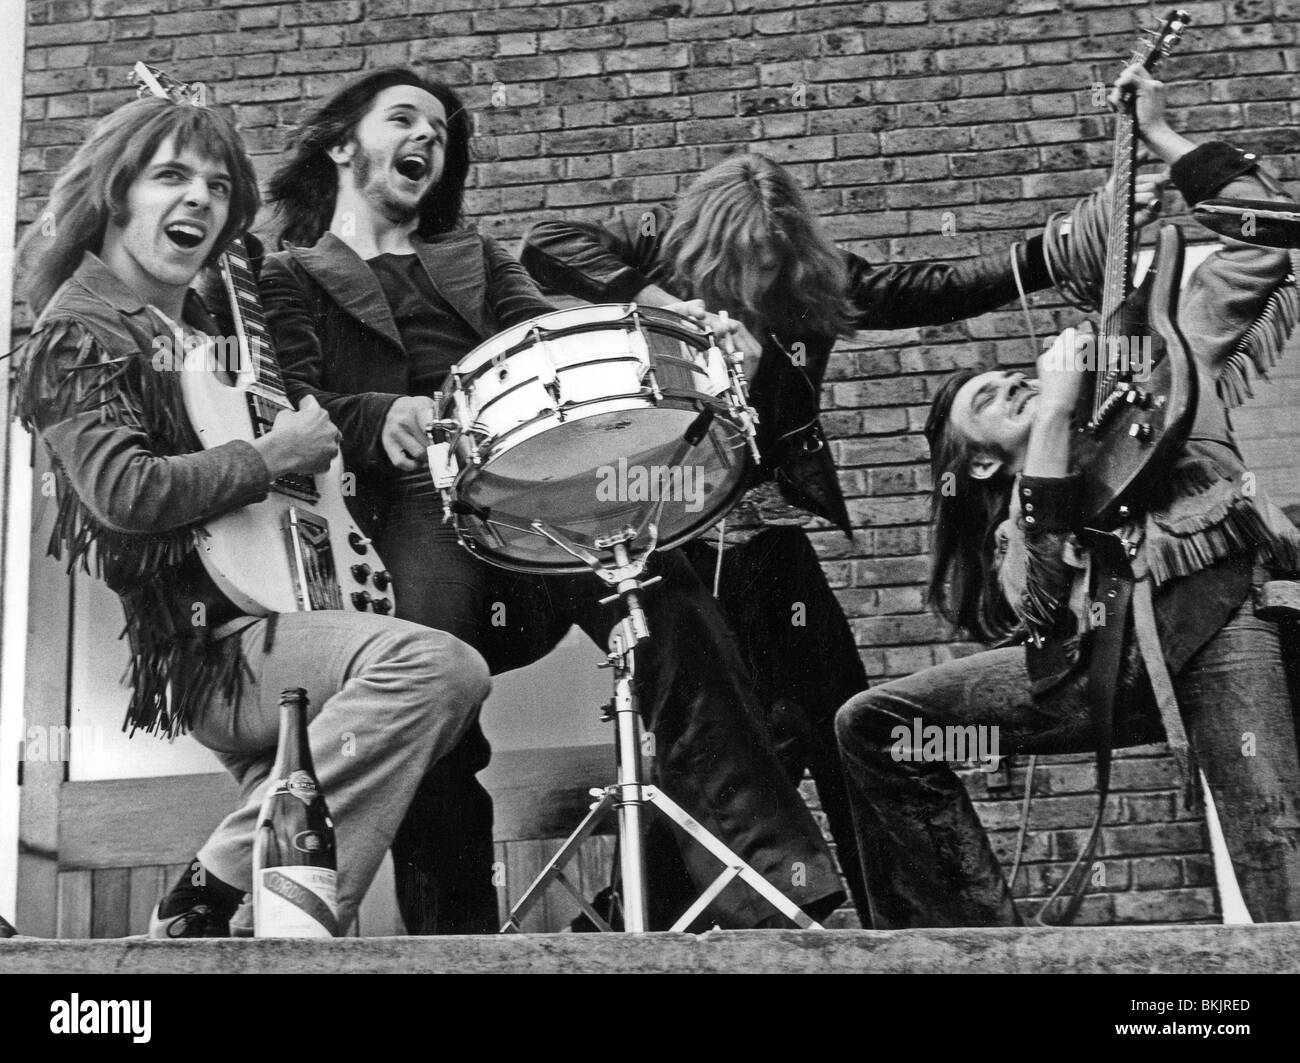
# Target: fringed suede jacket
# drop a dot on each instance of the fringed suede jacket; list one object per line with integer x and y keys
{"x": 132, "y": 483}
{"x": 1199, "y": 541}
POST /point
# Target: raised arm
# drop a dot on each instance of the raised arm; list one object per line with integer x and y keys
{"x": 600, "y": 263}
{"x": 512, "y": 294}
{"x": 935, "y": 293}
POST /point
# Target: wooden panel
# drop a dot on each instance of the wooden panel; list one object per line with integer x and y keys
{"x": 110, "y": 902}
{"x": 74, "y": 901}
{"x": 523, "y": 861}
{"x": 138, "y": 822}
{"x": 539, "y": 793}
{"x": 44, "y": 705}
{"x": 147, "y": 888}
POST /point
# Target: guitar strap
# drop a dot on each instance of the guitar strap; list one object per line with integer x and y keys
{"x": 1114, "y": 588}
{"x": 1148, "y": 638}
{"x": 1120, "y": 592}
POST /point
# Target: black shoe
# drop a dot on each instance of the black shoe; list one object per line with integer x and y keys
{"x": 199, "y": 921}
{"x": 198, "y": 906}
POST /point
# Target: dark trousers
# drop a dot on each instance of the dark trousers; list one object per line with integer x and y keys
{"x": 696, "y": 697}
{"x": 927, "y": 860}
{"x": 805, "y": 663}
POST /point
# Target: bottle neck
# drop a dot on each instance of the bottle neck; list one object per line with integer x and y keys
{"x": 294, "y": 752}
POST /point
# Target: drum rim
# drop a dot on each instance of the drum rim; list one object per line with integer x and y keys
{"x": 678, "y": 322}
{"x": 692, "y": 531}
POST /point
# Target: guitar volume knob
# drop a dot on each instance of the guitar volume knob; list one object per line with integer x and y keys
{"x": 382, "y": 580}
{"x": 383, "y": 606}
{"x": 361, "y": 599}
{"x": 361, "y": 572}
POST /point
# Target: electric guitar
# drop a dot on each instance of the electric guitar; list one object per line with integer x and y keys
{"x": 1129, "y": 425}
{"x": 299, "y": 549}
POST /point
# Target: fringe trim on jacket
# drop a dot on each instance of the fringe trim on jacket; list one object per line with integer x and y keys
{"x": 64, "y": 371}
{"x": 1261, "y": 345}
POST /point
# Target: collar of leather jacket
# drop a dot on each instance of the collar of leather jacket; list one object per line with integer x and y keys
{"x": 454, "y": 264}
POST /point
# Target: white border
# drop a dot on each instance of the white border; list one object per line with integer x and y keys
{"x": 15, "y": 470}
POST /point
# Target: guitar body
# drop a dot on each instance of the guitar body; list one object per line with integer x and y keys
{"x": 1145, "y": 423}
{"x": 287, "y": 553}
{"x": 299, "y": 549}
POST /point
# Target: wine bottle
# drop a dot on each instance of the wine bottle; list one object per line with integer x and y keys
{"x": 295, "y": 863}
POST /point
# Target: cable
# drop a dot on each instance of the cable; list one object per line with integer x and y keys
{"x": 1024, "y": 823}
{"x": 1074, "y": 248}
{"x": 1024, "y": 299}
{"x": 717, "y": 568}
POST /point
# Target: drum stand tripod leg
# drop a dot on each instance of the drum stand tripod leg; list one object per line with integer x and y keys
{"x": 631, "y": 793}
{"x": 554, "y": 869}
{"x": 734, "y": 867}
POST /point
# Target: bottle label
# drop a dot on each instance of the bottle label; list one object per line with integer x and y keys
{"x": 309, "y": 841}
{"x": 297, "y": 902}
{"x": 302, "y": 786}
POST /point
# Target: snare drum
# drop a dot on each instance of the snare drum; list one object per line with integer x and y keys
{"x": 589, "y": 421}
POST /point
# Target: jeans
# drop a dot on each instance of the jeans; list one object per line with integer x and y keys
{"x": 794, "y": 636}
{"x": 926, "y": 859}
{"x": 711, "y": 751}
{"x": 387, "y": 698}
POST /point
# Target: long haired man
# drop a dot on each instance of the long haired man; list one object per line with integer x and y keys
{"x": 743, "y": 238}
{"x": 377, "y": 294}
{"x": 157, "y": 191}
{"x": 1193, "y": 663}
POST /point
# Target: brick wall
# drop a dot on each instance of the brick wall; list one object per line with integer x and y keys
{"x": 892, "y": 114}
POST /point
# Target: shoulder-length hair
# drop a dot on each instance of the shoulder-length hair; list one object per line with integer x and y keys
{"x": 92, "y": 188}
{"x": 304, "y": 189}
{"x": 730, "y": 213}
{"x": 963, "y": 585}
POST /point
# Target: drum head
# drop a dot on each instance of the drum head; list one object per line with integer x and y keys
{"x": 589, "y": 478}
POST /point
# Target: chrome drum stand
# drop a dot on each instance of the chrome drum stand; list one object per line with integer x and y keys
{"x": 630, "y": 794}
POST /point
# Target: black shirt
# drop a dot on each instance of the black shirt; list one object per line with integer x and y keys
{"x": 434, "y": 335}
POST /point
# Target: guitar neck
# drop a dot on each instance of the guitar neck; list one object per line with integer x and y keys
{"x": 1117, "y": 282}
{"x": 250, "y": 325}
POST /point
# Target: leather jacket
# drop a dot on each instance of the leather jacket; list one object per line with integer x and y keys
{"x": 611, "y": 264}
{"x": 336, "y": 338}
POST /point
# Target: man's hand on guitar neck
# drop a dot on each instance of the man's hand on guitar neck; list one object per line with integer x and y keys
{"x": 1149, "y": 111}
{"x": 300, "y": 441}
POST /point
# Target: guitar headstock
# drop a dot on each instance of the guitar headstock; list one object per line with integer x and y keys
{"x": 150, "y": 81}
{"x": 1160, "y": 43}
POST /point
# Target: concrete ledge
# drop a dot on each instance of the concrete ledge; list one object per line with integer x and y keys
{"x": 1272, "y": 948}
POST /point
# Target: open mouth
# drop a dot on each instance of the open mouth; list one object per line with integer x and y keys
{"x": 185, "y": 235}
{"x": 413, "y": 167}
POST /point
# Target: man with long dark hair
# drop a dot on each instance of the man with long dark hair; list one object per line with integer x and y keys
{"x": 158, "y": 190}
{"x": 377, "y": 294}
{"x": 1190, "y": 661}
